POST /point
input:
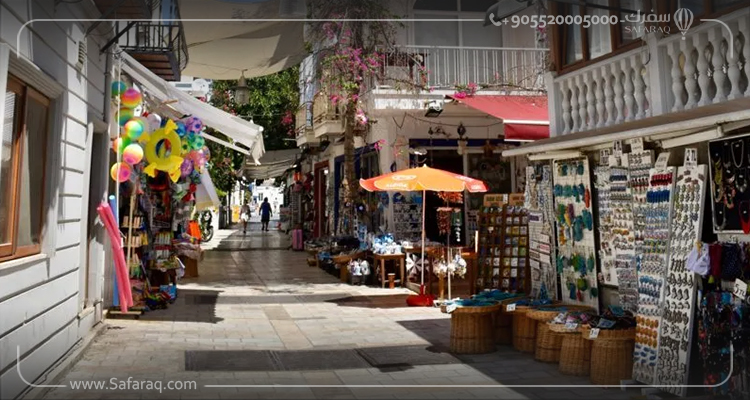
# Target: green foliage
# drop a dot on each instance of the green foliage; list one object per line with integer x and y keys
{"x": 272, "y": 98}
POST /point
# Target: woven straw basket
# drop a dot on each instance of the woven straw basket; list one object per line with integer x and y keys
{"x": 524, "y": 330}
{"x": 575, "y": 351}
{"x": 548, "y": 343}
{"x": 472, "y": 330}
{"x": 611, "y": 355}
{"x": 504, "y": 322}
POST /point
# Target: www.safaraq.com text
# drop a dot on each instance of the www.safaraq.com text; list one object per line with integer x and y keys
{"x": 116, "y": 384}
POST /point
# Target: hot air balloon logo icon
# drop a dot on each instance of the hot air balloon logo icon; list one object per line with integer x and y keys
{"x": 683, "y": 18}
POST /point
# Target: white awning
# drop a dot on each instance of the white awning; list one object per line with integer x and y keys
{"x": 205, "y": 194}
{"x": 265, "y": 39}
{"x": 239, "y": 130}
{"x": 273, "y": 164}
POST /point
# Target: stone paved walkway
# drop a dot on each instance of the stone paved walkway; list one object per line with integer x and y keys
{"x": 256, "y": 306}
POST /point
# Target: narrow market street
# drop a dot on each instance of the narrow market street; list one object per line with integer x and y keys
{"x": 263, "y": 317}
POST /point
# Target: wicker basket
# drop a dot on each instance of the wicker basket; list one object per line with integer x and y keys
{"x": 611, "y": 355}
{"x": 541, "y": 314}
{"x": 548, "y": 343}
{"x": 575, "y": 352}
{"x": 524, "y": 330}
{"x": 504, "y": 322}
{"x": 472, "y": 330}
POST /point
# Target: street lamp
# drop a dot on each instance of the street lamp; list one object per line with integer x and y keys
{"x": 241, "y": 91}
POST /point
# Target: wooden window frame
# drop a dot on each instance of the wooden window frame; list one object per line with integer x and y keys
{"x": 559, "y": 32}
{"x": 24, "y": 92}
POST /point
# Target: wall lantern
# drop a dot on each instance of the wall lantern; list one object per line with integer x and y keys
{"x": 241, "y": 91}
{"x": 462, "y": 139}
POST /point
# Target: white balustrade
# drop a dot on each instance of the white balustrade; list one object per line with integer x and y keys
{"x": 710, "y": 66}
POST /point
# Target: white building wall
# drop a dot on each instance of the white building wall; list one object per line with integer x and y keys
{"x": 43, "y": 301}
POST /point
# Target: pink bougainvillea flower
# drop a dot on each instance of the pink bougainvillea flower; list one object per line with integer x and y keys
{"x": 459, "y": 95}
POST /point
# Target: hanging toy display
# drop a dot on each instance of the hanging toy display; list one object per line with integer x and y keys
{"x": 168, "y": 162}
{"x": 131, "y": 98}
{"x": 132, "y": 154}
{"x": 118, "y": 88}
{"x": 120, "y": 172}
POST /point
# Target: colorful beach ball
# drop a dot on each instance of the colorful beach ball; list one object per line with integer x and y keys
{"x": 119, "y": 144}
{"x": 134, "y": 129}
{"x": 133, "y": 154}
{"x": 198, "y": 143}
{"x": 118, "y": 88}
{"x": 131, "y": 98}
{"x": 120, "y": 172}
{"x": 125, "y": 115}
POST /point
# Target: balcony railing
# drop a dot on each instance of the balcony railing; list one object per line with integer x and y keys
{"x": 161, "y": 47}
{"x": 667, "y": 75}
{"x": 327, "y": 118}
{"x": 522, "y": 68}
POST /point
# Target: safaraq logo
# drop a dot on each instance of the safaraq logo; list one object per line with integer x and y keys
{"x": 683, "y": 19}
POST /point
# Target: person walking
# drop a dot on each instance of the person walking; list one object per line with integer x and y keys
{"x": 265, "y": 214}
{"x": 245, "y": 217}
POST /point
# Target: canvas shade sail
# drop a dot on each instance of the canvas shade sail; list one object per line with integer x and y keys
{"x": 239, "y": 130}
{"x": 423, "y": 179}
{"x": 226, "y": 49}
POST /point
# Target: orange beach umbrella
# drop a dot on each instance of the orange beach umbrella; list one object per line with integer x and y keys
{"x": 422, "y": 179}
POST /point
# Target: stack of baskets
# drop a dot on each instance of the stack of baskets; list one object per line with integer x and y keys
{"x": 611, "y": 355}
{"x": 548, "y": 341}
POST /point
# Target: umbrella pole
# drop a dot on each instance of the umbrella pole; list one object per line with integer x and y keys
{"x": 424, "y": 207}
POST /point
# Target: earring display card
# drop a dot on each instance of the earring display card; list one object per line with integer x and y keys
{"x": 680, "y": 288}
{"x": 538, "y": 201}
{"x": 407, "y": 219}
{"x": 652, "y": 267}
{"x": 639, "y": 167}
{"x": 515, "y": 254}
{"x": 574, "y": 227}
{"x": 730, "y": 177}
{"x": 606, "y": 251}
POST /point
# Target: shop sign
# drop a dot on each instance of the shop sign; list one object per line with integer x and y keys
{"x": 617, "y": 149}
{"x": 495, "y": 200}
{"x": 691, "y": 158}
{"x": 662, "y": 161}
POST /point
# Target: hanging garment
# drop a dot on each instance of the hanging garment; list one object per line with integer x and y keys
{"x": 698, "y": 260}
{"x": 732, "y": 263}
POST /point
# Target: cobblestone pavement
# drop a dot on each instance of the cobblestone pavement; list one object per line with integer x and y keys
{"x": 263, "y": 317}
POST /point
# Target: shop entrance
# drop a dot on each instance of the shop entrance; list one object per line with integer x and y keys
{"x": 447, "y": 160}
{"x": 321, "y": 199}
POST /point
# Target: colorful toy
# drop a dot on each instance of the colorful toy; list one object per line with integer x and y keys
{"x": 131, "y": 98}
{"x": 118, "y": 88}
{"x": 119, "y": 144}
{"x": 206, "y": 153}
{"x": 125, "y": 293}
{"x": 185, "y": 146}
{"x": 193, "y": 124}
{"x": 198, "y": 143}
{"x": 134, "y": 129}
{"x": 154, "y": 122}
{"x": 133, "y": 154}
{"x": 181, "y": 129}
{"x": 125, "y": 115}
{"x": 186, "y": 168}
{"x": 167, "y": 162}
{"x": 120, "y": 172}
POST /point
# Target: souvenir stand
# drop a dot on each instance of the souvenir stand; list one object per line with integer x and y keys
{"x": 538, "y": 203}
{"x": 158, "y": 169}
{"x": 576, "y": 253}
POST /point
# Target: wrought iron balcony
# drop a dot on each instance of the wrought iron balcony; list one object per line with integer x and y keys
{"x": 327, "y": 118}
{"x": 160, "y": 47}
{"x": 127, "y": 9}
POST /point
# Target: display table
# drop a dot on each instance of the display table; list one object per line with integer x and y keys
{"x": 472, "y": 330}
{"x": 399, "y": 259}
{"x": 342, "y": 263}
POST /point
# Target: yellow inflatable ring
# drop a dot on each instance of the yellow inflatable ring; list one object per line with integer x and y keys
{"x": 169, "y": 164}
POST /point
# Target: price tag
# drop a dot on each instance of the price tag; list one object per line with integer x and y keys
{"x": 572, "y": 325}
{"x": 636, "y": 145}
{"x": 617, "y": 148}
{"x": 740, "y": 289}
{"x": 662, "y": 161}
{"x": 594, "y": 333}
{"x": 691, "y": 158}
{"x": 560, "y": 318}
{"x": 510, "y": 307}
{"x": 451, "y": 308}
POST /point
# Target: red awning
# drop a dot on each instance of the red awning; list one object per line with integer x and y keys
{"x": 524, "y": 117}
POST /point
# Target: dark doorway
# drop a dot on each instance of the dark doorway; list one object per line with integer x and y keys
{"x": 447, "y": 160}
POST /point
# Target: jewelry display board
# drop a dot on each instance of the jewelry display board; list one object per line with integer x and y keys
{"x": 574, "y": 227}
{"x": 538, "y": 201}
{"x": 503, "y": 247}
{"x": 606, "y": 250}
{"x": 639, "y": 166}
{"x": 651, "y": 273}
{"x": 407, "y": 218}
{"x": 730, "y": 177}
{"x": 680, "y": 290}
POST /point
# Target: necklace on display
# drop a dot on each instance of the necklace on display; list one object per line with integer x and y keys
{"x": 739, "y": 144}
{"x": 727, "y": 156}
{"x": 741, "y": 180}
{"x": 720, "y": 211}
